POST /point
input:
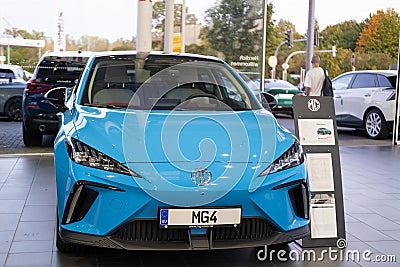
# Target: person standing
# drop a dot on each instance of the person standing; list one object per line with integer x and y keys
{"x": 314, "y": 78}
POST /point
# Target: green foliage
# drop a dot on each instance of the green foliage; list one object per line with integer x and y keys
{"x": 344, "y": 35}
{"x": 232, "y": 28}
{"x": 159, "y": 15}
{"x": 381, "y": 35}
{"x": 122, "y": 44}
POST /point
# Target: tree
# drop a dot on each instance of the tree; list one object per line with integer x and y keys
{"x": 93, "y": 43}
{"x": 381, "y": 34}
{"x": 343, "y": 35}
{"x": 233, "y": 28}
{"x": 122, "y": 44}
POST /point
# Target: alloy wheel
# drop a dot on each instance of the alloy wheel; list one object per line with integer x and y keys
{"x": 14, "y": 111}
{"x": 373, "y": 125}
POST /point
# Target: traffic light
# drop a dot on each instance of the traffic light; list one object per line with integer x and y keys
{"x": 316, "y": 37}
{"x": 289, "y": 38}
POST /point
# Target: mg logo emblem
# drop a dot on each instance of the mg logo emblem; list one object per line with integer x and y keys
{"x": 201, "y": 176}
{"x": 313, "y": 104}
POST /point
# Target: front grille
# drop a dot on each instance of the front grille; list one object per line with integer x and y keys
{"x": 149, "y": 230}
{"x": 250, "y": 228}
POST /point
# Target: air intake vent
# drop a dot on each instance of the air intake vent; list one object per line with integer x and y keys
{"x": 250, "y": 228}
{"x": 149, "y": 230}
{"x": 79, "y": 202}
{"x": 300, "y": 200}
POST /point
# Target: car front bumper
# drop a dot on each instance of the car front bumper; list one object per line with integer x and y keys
{"x": 147, "y": 235}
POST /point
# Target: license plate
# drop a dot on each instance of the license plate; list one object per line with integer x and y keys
{"x": 192, "y": 217}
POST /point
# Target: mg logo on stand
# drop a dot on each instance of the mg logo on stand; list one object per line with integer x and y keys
{"x": 313, "y": 104}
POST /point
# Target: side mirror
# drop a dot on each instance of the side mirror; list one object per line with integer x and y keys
{"x": 268, "y": 101}
{"x": 56, "y": 97}
{"x": 9, "y": 80}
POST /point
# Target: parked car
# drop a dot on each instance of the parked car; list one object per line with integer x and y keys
{"x": 283, "y": 91}
{"x": 366, "y": 100}
{"x": 12, "y": 85}
{"x": 54, "y": 69}
{"x": 154, "y": 151}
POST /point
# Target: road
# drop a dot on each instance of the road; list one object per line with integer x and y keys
{"x": 11, "y": 137}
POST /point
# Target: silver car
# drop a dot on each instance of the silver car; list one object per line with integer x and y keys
{"x": 12, "y": 85}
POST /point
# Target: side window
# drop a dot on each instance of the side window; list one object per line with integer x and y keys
{"x": 343, "y": 82}
{"x": 365, "y": 80}
{"x": 384, "y": 82}
{"x": 6, "y": 74}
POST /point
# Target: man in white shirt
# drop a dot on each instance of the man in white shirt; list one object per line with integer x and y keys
{"x": 315, "y": 78}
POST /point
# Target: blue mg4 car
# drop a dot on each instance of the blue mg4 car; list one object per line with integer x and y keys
{"x": 173, "y": 152}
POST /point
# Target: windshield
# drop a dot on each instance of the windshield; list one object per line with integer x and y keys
{"x": 278, "y": 85}
{"x": 164, "y": 82}
{"x": 61, "y": 70}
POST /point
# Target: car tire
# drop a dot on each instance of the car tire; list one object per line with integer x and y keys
{"x": 13, "y": 109}
{"x": 31, "y": 138}
{"x": 66, "y": 247}
{"x": 375, "y": 125}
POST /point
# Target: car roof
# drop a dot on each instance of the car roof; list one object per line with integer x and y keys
{"x": 382, "y": 72}
{"x": 69, "y": 54}
{"x": 158, "y": 53}
{"x": 11, "y": 67}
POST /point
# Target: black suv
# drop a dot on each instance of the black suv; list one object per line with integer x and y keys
{"x": 55, "y": 69}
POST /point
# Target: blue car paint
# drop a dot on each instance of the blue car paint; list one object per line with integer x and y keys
{"x": 94, "y": 125}
{"x": 111, "y": 209}
{"x": 117, "y": 134}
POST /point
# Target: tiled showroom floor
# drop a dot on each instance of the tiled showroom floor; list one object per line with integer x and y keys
{"x": 371, "y": 182}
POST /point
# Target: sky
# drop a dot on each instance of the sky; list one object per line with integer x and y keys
{"x": 117, "y": 19}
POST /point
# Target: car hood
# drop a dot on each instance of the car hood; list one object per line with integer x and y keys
{"x": 182, "y": 136}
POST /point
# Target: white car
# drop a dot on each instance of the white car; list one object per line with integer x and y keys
{"x": 366, "y": 100}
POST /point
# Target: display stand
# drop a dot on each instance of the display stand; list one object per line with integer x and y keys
{"x": 315, "y": 127}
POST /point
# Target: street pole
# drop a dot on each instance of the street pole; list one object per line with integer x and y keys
{"x": 169, "y": 26}
{"x": 183, "y": 27}
{"x": 8, "y": 52}
{"x": 264, "y": 44}
{"x": 310, "y": 34}
{"x": 277, "y": 52}
{"x": 397, "y": 111}
{"x": 143, "y": 38}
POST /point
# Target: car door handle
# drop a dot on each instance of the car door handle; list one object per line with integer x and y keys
{"x": 367, "y": 95}
{"x": 338, "y": 96}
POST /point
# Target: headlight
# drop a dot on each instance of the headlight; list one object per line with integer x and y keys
{"x": 88, "y": 156}
{"x": 292, "y": 157}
